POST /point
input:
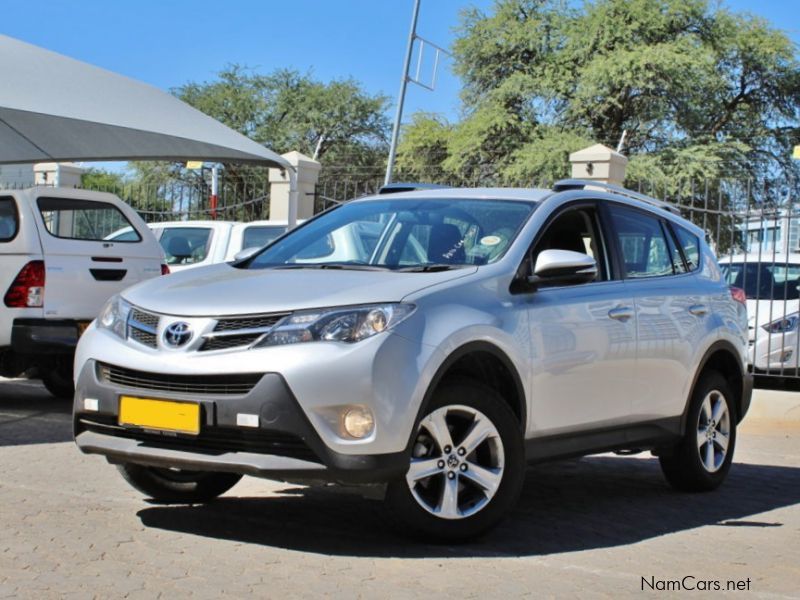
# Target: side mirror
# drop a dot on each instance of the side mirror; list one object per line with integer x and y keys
{"x": 562, "y": 267}
{"x": 245, "y": 254}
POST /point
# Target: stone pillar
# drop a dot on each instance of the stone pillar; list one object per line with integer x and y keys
{"x": 307, "y": 175}
{"x": 599, "y": 163}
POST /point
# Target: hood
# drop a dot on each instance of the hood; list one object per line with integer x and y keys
{"x": 761, "y": 312}
{"x": 224, "y": 290}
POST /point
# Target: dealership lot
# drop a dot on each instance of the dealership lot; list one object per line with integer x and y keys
{"x": 71, "y": 527}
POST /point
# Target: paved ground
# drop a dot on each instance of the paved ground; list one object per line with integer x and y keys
{"x": 70, "y": 527}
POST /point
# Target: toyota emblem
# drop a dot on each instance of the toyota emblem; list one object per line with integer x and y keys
{"x": 177, "y": 334}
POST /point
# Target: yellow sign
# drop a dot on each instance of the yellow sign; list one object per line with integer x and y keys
{"x": 796, "y": 153}
{"x": 194, "y": 164}
{"x": 183, "y": 417}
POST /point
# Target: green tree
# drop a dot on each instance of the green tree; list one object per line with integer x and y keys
{"x": 701, "y": 91}
{"x": 338, "y": 123}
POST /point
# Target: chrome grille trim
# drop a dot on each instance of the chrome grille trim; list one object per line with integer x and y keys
{"x": 197, "y": 385}
{"x": 252, "y": 322}
{"x": 144, "y": 321}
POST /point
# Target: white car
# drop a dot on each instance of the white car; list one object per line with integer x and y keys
{"x": 191, "y": 244}
{"x": 770, "y": 284}
{"x": 57, "y": 269}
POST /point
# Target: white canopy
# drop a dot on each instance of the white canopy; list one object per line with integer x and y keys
{"x": 54, "y": 108}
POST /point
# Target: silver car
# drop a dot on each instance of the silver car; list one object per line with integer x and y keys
{"x": 469, "y": 333}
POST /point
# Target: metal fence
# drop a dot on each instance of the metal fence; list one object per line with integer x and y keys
{"x": 754, "y": 230}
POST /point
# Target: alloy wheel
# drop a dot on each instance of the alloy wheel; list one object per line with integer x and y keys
{"x": 713, "y": 431}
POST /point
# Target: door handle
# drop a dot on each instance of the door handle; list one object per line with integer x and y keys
{"x": 621, "y": 313}
{"x": 698, "y": 309}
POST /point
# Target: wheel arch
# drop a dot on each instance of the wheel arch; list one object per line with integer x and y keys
{"x": 492, "y": 365}
{"x": 723, "y": 357}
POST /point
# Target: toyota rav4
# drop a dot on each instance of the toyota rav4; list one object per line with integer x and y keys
{"x": 467, "y": 333}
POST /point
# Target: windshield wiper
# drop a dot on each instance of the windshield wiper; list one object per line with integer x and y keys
{"x": 432, "y": 268}
{"x": 341, "y": 266}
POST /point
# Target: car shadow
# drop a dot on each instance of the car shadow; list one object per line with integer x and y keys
{"x": 30, "y": 415}
{"x": 594, "y": 502}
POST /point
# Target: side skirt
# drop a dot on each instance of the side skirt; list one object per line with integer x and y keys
{"x": 648, "y": 435}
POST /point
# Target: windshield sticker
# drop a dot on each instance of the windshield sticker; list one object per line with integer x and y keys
{"x": 490, "y": 240}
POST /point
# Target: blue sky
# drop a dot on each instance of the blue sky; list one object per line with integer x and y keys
{"x": 169, "y": 42}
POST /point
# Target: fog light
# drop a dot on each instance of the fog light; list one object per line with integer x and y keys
{"x": 92, "y": 404}
{"x": 358, "y": 422}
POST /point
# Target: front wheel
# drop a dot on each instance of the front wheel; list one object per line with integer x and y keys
{"x": 702, "y": 459}
{"x": 467, "y": 465}
{"x": 177, "y": 486}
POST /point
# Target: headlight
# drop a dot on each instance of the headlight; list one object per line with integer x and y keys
{"x": 351, "y": 324}
{"x": 783, "y": 325}
{"x": 114, "y": 316}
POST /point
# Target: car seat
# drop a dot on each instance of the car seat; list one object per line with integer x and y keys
{"x": 179, "y": 248}
{"x": 446, "y": 245}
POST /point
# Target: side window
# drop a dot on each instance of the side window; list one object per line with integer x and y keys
{"x": 677, "y": 261}
{"x": 642, "y": 242}
{"x": 83, "y": 219}
{"x": 574, "y": 230}
{"x": 690, "y": 245}
{"x": 8, "y": 219}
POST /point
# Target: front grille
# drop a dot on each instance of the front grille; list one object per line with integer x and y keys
{"x": 202, "y": 385}
{"x": 145, "y": 318}
{"x": 143, "y": 337}
{"x": 211, "y": 440}
{"x": 247, "y": 322}
{"x": 143, "y": 327}
{"x": 229, "y": 341}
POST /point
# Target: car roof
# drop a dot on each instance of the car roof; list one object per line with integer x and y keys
{"x": 485, "y": 193}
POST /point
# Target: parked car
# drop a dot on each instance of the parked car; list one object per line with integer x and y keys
{"x": 190, "y": 244}
{"x": 58, "y": 271}
{"x": 771, "y": 284}
{"x": 469, "y": 332}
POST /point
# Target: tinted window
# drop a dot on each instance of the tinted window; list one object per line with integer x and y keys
{"x": 642, "y": 242}
{"x": 677, "y": 261}
{"x": 691, "y": 247}
{"x": 8, "y": 219}
{"x": 185, "y": 245}
{"x": 257, "y": 236}
{"x": 764, "y": 281}
{"x": 83, "y": 219}
{"x": 573, "y": 230}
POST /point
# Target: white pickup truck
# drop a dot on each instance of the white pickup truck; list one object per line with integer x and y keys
{"x": 58, "y": 268}
{"x": 189, "y": 244}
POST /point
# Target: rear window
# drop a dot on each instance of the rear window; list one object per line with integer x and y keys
{"x": 89, "y": 220}
{"x": 257, "y": 236}
{"x": 8, "y": 219}
{"x": 185, "y": 245}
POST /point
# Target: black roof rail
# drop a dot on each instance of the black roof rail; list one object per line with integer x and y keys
{"x": 580, "y": 184}
{"x": 396, "y": 188}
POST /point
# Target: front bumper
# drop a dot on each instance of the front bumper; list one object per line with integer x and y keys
{"x": 284, "y": 446}
{"x": 45, "y": 336}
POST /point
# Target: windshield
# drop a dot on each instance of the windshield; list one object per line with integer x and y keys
{"x": 185, "y": 245}
{"x": 764, "y": 281}
{"x": 401, "y": 234}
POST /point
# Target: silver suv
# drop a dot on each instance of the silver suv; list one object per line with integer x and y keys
{"x": 457, "y": 336}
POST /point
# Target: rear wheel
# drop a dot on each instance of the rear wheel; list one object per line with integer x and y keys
{"x": 703, "y": 458}
{"x": 467, "y": 466}
{"x": 176, "y": 485}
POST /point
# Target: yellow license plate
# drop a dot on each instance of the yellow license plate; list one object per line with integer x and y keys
{"x": 165, "y": 415}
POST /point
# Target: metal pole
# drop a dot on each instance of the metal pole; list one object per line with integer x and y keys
{"x": 292, "y": 197}
{"x": 402, "y": 95}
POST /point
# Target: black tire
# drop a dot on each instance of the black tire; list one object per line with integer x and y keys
{"x": 685, "y": 465}
{"x": 409, "y": 514}
{"x": 59, "y": 383}
{"x": 179, "y": 487}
